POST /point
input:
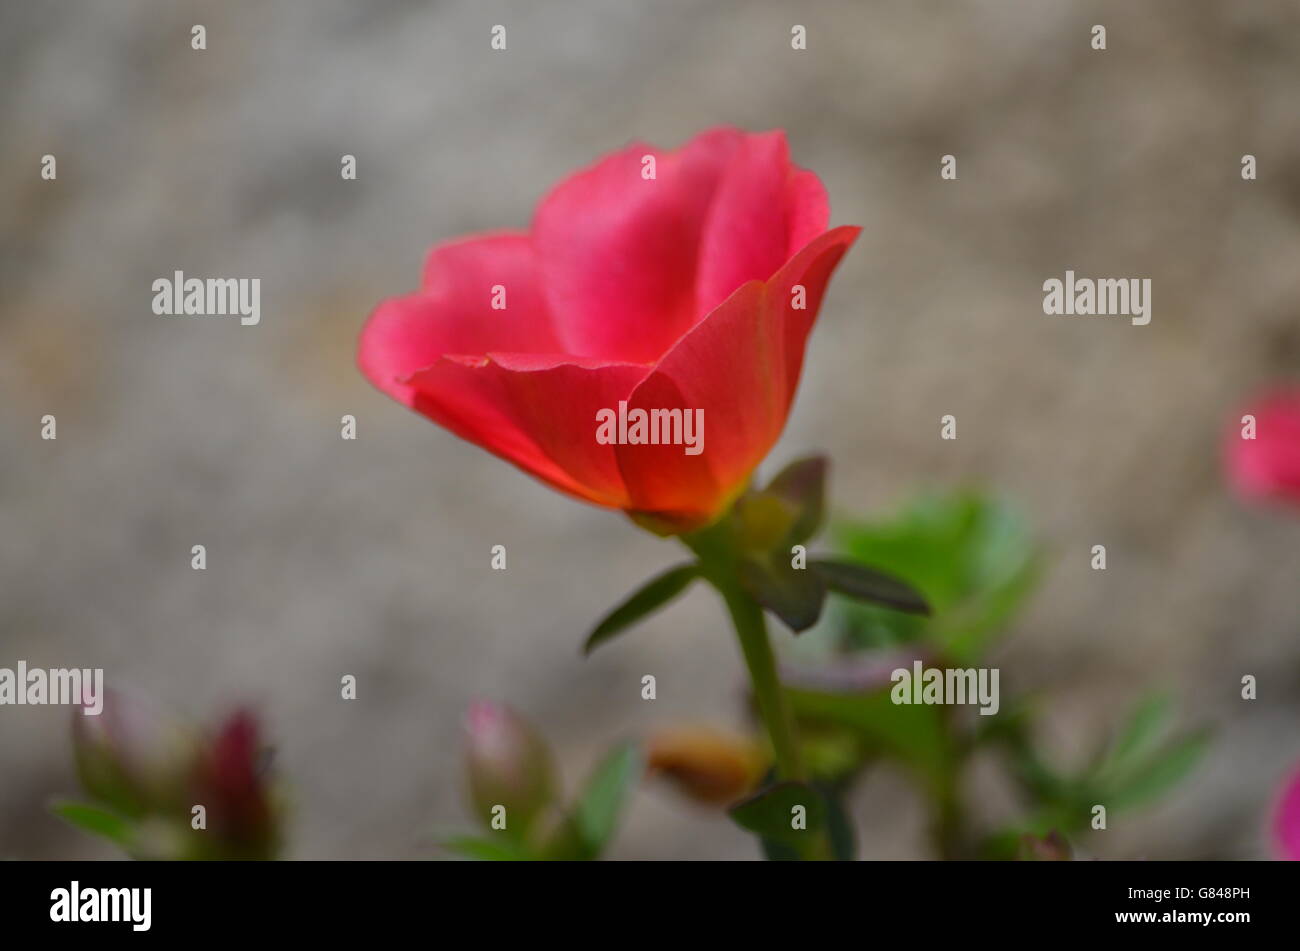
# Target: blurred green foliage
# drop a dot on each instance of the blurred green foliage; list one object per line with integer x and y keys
{"x": 579, "y": 832}
{"x": 975, "y": 561}
{"x": 972, "y": 557}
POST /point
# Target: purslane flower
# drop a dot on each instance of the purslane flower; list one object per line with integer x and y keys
{"x": 1267, "y": 466}
{"x": 653, "y": 280}
{"x": 1286, "y": 820}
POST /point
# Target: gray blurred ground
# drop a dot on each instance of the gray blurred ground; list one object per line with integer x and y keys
{"x": 371, "y": 557}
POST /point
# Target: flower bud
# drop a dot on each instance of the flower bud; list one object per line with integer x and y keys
{"x": 231, "y": 783}
{"x": 708, "y": 765}
{"x": 508, "y": 764}
{"x": 1052, "y": 847}
{"x": 131, "y": 756}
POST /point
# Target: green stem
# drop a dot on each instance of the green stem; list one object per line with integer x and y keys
{"x": 716, "y": 550}
{"x": 751, "y": 629}
{"x": 719, "y": 556}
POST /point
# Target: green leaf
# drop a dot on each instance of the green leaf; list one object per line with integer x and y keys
{"x": 1137, "y": 767}
{"x": 867, "y": 584}
{"x": 607, "y": 792}
{"x": 839, "y": 827}
{"x": 594, "y": 817}
{"x": 967, "y": 629}
{"x": 911, "y": 734}
{"x": 971, "y": 557}
{"x": 649, "y": 598}
{"x": 96, "y": 821}
{"x": 1137, "y": 735}
{"x": 803, "y": 485}
{"x": 486, "y": 849}
{"x": 771, "y": 813}
{"x": 1158, "y": 773}
{"x": 795, "y": 595}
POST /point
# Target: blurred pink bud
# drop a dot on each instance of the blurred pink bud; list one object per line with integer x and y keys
{"x": 1262, "y": 448}
{"x": 1286, "y": 821}
{"x": 132, "y": 756}
{"x": 231, "y": 783}
{"x": 508, "y": 764}
{"x": 1052, "y": 847}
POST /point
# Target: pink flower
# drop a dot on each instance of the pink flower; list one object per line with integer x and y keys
{"x": 682, "y": 280}
{"x": 1268, "y": 465}
{"x": 1286, "y": 821}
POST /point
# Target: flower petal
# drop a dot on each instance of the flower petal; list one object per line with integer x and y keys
{"x": 676, "y": 489}
{"x": 454, "y": 313}
{"x": 765, "y": 210}
{"x": 811, "y": 270}
{"x": 618, "y": 251}
{"x": 536, "y": 411}
{"x": 741, "y": 366}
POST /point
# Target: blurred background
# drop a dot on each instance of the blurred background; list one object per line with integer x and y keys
{"x": 328, "y": 557}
